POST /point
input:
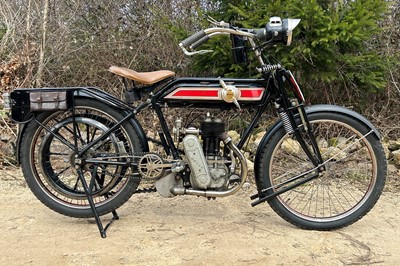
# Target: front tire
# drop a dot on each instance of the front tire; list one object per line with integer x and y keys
{"x": 351, "y": 185}
{"x": 48, "y": 159}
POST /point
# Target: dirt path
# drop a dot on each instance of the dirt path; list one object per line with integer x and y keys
{"x": 188, "y": 231}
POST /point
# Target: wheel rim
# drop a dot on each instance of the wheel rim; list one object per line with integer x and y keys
{"x": 51, "y": 159}
{"x": 351, "y": 171}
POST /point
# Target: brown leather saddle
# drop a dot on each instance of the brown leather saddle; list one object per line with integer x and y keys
{"x": 147, "y": 78}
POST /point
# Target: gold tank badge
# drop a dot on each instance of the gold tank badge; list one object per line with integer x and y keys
{"x": 229, "y": 93}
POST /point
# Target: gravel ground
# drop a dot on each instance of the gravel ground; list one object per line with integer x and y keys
{"x": 188, "y": 231}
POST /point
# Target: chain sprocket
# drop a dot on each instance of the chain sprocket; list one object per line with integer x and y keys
{"x": 151, "y": 166}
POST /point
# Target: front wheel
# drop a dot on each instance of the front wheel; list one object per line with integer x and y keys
{"x": 353, "y": 180}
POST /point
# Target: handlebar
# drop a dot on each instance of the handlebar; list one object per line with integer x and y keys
{"x": 275, "y": 31}
{"x": 211, "y": 32}
{"x": 200, "y": 37}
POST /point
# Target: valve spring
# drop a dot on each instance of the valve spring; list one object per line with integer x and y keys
{"x": 286, "y": 121}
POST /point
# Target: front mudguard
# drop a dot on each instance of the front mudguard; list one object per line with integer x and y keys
{"x": 310, "y": 110}
{"x": 21, "y": 111}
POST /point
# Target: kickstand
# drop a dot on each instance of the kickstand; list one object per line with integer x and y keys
{"x": 88, "y": 192}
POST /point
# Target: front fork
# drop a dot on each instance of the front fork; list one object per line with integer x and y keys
{"x": 300, "y": 129}
{"x": 297, "y": 128}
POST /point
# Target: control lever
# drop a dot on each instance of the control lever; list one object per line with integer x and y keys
{"x": 217, "y": 23}
{"x": 195, "y": 52}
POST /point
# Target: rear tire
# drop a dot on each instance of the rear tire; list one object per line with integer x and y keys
{"x": 48, "y": 159}
{"x": 348, "y": 189}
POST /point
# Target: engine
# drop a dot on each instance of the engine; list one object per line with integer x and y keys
{"x": 207, "y": 161}
{"x": 212, "y": 165}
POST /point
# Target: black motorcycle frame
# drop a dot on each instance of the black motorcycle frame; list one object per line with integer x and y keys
{"x": 22, "y": 112}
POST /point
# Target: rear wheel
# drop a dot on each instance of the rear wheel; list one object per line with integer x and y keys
{"x": 49, "y": 159}
{"x": 351, "y": 185}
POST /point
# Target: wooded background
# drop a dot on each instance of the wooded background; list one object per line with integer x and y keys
{"x": 344, "y": 52}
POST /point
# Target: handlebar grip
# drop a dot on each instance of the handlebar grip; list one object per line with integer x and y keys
{"x": 199, "y": 42}
{"x": 193, "y": 38}
{"x": 260, "y": 33}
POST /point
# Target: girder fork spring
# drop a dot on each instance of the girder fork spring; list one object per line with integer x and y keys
{"x": 286, "y": 121}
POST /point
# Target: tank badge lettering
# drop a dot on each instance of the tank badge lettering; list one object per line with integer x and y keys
{"x": 230, "y": 93}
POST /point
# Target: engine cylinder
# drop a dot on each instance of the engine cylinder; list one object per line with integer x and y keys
{"x": 211, "y": 132}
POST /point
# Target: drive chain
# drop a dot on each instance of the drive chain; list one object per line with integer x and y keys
{"x": 146, "y": 190}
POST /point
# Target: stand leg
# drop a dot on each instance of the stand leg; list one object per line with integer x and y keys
{"x": 88, "y": 193}
{"x": 115, "y": 217}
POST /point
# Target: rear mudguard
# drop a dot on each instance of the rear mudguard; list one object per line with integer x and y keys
{"x": 91, "y": 93}
{"x": 310, "y": 110}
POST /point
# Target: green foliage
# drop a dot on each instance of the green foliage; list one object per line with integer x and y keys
{"x": 332, "y": 45}
{"x": 334, "y": 42}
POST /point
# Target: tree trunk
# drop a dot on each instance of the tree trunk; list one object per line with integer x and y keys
{"x": 39, "y": 74}
{"x": 27, "y": 48}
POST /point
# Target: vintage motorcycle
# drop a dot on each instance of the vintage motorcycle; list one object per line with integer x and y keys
{"x": 84, "y": 153}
